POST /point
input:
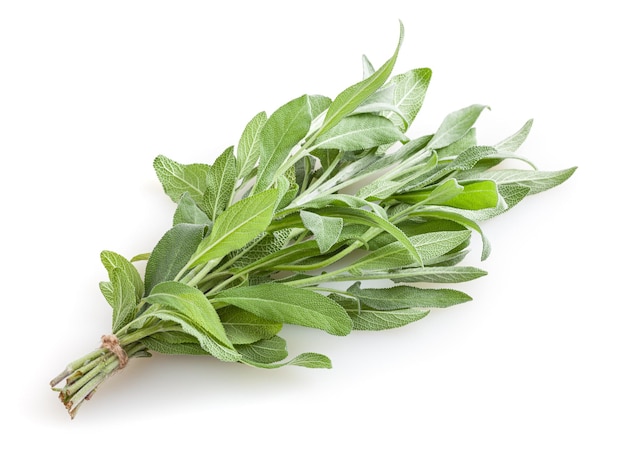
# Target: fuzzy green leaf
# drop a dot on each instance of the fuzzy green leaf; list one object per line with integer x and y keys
{"x": 285, "y": 304}
{"x": 177, "y": 179}
{"x": 249, "y": 147}
{"x": 236, "y": 227}
{"x": 455, "y": 126}
{"x": 112, "y": 260}
{"x": 325, "y": 229}
{"x": 348, "y": 100}
{"x": 283, "y": 130}
{"x": 193, "y": 305}
{"x": 358, "y": 132}
{"x": 243, "y": 327}
{"x": 123, "y": 299}
{"x": 220, "y": 184}
{"x": 189, "y": 212}
{"x": 172, "y": 253}
{"x": 406, "y": 296}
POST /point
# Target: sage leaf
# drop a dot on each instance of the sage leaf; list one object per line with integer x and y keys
{"x": 325, "y": 229}
{"x": 122, "y": 299}
{"x": 283, "y": 130}
{"x": 455, "y": 126}
{"x": 236, "y": 227}
{"x": 220, "y": 184}
{"x": 243, "y": 327}
{"x": 193, "y": 305}
{"x": 406, "y": 296}
{"x": 174, "y": 342}
{"x": 264, "y": 352}
{"x": 285, "y": 304}
{"x": 368, "y": 319}
{"x": 249, "y": 147}
{"x": 112, "y": 260}
{"x": 188, "y": 211}
{"x": 172, "y": 253}
{"x": 349, "y": 99}
{"x": 177, "y": 179}
{"x": 358, "y": 132}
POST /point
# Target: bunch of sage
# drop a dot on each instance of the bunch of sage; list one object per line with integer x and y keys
{"x": 261, "y": 237}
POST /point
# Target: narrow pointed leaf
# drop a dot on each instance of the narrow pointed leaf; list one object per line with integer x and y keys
{"x": 285, "y": 304}
{"x": 123, "y": 299}
{"x": 284, "y": 129}
{"x": 249, "y": 147}
{"x": 406, "y": 296}
{"x": 348, "y": 100}
{"x": 236, "y": 227}
{"x": 455, "y": 126}
{"x": 220, "y": 184}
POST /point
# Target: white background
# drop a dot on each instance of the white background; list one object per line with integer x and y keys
{"x": 91, "y": 92}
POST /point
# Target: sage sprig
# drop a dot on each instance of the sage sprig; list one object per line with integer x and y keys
{"x": 261, "y": 237}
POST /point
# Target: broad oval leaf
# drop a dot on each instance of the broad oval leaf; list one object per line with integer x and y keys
{"x": 193, "y": 305}
{"x": 172, "y": 253}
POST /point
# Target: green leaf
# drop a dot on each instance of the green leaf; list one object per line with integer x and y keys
{"x": 348, "y": 100}
{"x": 368, "y": 68}
{"x": 455, "y": 126}
{"x": 249, "y": 147}
{"x": 193, "y": 305}
{"x": 443, "y": 275}
{"x": 220, "y": 184}
{"x": 306, "y": 359}
{"x": 472, "y": 196}
{"x": 535, "y": 180}
{"x": 189, "y": 212}
{"x": 408, "y": 95}
{"x": 325, "y": 229}
{"x": 172, "y": 253}
{"x": 123, "y": 299}
{"x": 443, "y": 213}
{"x": 395, "y": 255}
{"x": 243, "y": 327}
{"x": 283, "y": 131}
{"x": 174, "y": 342}
{"x": 358, "y": 132}
{"x": 367, "y": 319}
{"x": 112, "y": 260}
{"x": 406, "y": 296}
{"x": 255, "y": 250}
{"x": 261, "y": 352}
{"x": 206, "y": 341}
{"x": 178, "y": 178}
{"x": 236, "y": 227}
{"x": 285, "y": 304}
{"x": 359, "y": 216}
{"x": 512, "y": 143}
